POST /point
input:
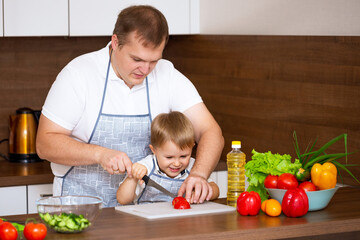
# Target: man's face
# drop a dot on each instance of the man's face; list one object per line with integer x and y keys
{"x": 133, "y": 61}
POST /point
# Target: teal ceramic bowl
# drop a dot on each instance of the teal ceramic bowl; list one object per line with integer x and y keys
{"x": 317, "y": 199}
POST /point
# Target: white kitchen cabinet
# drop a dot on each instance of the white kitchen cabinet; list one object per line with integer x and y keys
{"x": 35, "y": 18}
{"x": 35, "y": 192}
{"x": 22, "y": 199}
{"x": 222, "y": 183}
{"x": 97, "y": 18}
{"x": 220, "y": 178}
{"x": 12, "y": 200}
{"x": 1, "y": 19}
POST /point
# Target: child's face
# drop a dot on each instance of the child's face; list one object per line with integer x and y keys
{"x": 172, "y": 160}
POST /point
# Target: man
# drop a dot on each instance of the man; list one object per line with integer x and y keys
{"x": 96, "y": 119}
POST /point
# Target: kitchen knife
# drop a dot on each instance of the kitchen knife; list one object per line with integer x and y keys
{"x": 152, "y": 183}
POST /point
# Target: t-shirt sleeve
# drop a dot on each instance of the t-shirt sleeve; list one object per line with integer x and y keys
{"x": 183, "y": 92}
{"x": 65, "y": 101}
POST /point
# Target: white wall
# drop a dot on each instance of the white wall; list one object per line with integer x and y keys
{"x": 280, "y": 17}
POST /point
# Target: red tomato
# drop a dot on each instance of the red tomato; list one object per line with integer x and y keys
{"x": 8, "y": 231}
{"x": 287, "y": 181}
{"x": 35, "y": 231}
{"x": 1, "y": 220}
{"x": 271, "y": 181}
{"x": 177, "y": 199}
{"x": 307, "y": 186}
{"x": 182, "y": 204}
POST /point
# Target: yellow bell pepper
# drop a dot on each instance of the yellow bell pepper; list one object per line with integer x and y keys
{"x": 324, "y": 176}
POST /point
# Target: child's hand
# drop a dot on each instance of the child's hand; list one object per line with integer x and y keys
{"x": 139, "y": 171}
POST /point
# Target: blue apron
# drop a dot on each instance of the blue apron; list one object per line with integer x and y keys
{"x": 151, "y": 194}
{"x": 125, "y": 133}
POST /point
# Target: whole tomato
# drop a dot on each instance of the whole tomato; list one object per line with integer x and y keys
{"x": 8, "y": 231}
{"x": 307, "y": 186}
{"x": 271, "y": 181}
{"x": 35, "y": 231}
{"x": 248, "y": 203}
{"x": 287, "y": 181}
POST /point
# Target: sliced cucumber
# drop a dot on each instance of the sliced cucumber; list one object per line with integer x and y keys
{"x": 66, "y": 222}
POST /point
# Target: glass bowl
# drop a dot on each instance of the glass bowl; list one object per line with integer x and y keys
{"x": 69, "y": 214}
{"x": 317, "y": 199}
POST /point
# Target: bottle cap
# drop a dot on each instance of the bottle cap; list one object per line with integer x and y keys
{"x": 236, "y": 144}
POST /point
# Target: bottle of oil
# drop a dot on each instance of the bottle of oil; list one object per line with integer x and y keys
{"x": 236, "y": 173}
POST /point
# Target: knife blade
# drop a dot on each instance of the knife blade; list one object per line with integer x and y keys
{"x": 154, "y": 184}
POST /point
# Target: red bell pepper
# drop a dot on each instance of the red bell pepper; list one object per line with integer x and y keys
{"x": 249, "y": 203}
{"x": 295, "y": 203}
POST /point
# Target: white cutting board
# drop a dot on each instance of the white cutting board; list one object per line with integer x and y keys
{"x": 166, "y": 209}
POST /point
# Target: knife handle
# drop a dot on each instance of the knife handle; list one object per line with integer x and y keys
{"x": 146, "y": 179}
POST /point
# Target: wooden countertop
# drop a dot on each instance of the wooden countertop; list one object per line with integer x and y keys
{"x": 16, "y": 174}
{"x": 340, "y": 219}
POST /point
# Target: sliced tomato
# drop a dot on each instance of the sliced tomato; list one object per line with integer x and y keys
{"x": 182, "y": 205}
{"x": 177, "y": 199}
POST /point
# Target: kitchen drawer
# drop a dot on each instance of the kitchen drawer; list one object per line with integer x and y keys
{"x": 12, "y": 200}
{"x": 35, "y": 192}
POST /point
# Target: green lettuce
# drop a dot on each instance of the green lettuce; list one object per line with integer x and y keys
{"x": 263, "y": 164}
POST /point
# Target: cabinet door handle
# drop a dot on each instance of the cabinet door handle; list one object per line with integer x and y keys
{"x": 46, "y": 195}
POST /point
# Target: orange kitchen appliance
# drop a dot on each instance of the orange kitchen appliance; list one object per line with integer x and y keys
{"x": 23, "y": 128}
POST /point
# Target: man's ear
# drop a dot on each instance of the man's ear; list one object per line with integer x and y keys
{"x": 152, "y": 149}
{"x": 114, "y": 41}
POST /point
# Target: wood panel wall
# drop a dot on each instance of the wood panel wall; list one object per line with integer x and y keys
{"x": 262, "y": 88}
{"x": 259, "y": 88}
{"x": 28, "y": 67}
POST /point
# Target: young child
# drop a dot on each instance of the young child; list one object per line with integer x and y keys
{"x": 172, "y": 141}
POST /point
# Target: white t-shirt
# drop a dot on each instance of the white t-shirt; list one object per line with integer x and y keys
{"x": 74, "y": 99}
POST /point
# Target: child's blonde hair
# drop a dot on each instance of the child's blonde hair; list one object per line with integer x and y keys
{"x": 172, "y": 126}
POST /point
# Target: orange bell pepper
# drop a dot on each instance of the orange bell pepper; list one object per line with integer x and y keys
{"x": 324, "y": 176}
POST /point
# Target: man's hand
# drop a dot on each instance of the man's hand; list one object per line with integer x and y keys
{"x": 197, "y": 189}
{"x": 115, "y": 162}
